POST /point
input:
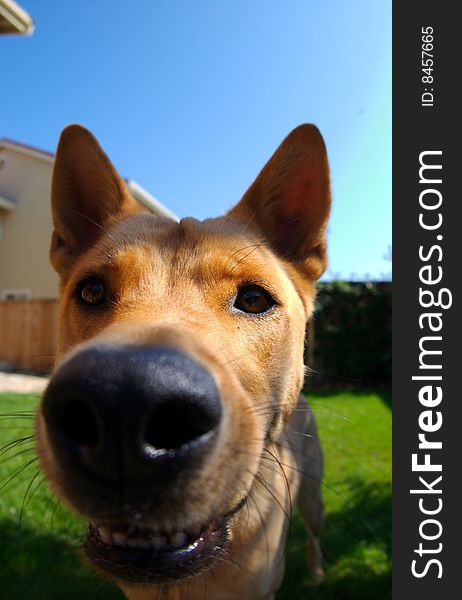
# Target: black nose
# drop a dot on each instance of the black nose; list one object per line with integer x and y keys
{"x": 131, "y": 413}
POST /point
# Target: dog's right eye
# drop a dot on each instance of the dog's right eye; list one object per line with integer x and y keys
{"x": 253, "y": 299}
{"x": 92, "y": 291}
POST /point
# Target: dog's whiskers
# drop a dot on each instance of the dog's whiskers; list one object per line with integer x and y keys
{"x": 28, "y": 497}
{"x": 18, "y": 414}
{"x": 18, "y": 442}
{"x": 18, "y": 472}
{"x": 289, "y": 495}
{"x": 293, "y": 447}
{"x": 103, "y": 229}
{"x": 251, "y": 218}
{"x": 226, "y": 557}
{"x": 263, "y": 524}
{"x": 261, "y": 479}
{"x": 20, "y": 453}
{"x": 308, "y": 435}
{"x": 253, "y": 247}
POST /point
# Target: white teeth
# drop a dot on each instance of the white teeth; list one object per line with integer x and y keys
{"x": 119, "y": 538}
{"x": 105, "y": 535}
{"x": 178, "y": 539}
{"x": 149, "y": 538}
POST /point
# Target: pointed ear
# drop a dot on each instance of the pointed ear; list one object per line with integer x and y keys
{"x": 87, "y": 195}
{"x": 289, "y": 202}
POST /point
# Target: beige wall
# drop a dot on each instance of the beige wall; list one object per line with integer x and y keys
{"x": 26, "y": 231}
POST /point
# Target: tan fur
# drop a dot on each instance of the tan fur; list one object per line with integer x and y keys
{"x": 173, "y": 283}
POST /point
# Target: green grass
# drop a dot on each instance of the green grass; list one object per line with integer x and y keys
{"x": 38, "y": 538}
{"x": 355, "y": 430}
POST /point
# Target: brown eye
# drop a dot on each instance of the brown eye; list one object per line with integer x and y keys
{"x": 253, "y": 299}
{"x": 93, "y": 291}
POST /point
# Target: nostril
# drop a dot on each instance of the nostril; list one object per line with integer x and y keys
{"x": 176, "y": 422}
{"x": 115, "y": 411}
{"x": 77, "y": 423}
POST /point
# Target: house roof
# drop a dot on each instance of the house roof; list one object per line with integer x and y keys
{"x": 14, "y": 19}
{"x": 145, "y": 198}
{"x": 137, "y": 191}
{"x": 26, "y": 149}
{"x": 7, "y": 204}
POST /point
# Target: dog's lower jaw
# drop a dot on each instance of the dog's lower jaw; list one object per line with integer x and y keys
{"x": 149, "y": 557}
{"x": 243, "y": 572}
{"x": 240, "y": 576}
{"x": 138, "y": 553}
{"x": 252, "y": 567}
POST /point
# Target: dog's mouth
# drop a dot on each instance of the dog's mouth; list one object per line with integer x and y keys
{"x": 144, "y": 555}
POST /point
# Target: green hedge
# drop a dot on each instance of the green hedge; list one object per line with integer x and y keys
{"x": 352, "y": 335}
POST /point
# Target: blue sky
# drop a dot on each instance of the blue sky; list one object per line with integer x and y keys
{"x": 190, "y": 98}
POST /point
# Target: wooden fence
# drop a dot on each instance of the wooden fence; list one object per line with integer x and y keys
{"x": 28, "y": 333}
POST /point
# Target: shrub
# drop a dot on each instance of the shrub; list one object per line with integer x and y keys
{"x": 352, "y": 335}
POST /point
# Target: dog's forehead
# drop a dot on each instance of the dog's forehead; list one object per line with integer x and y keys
{"x": 165, "y": 232}
{"x": 224, "y": 245}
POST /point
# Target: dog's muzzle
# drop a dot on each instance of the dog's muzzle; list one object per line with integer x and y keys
{"x": 125, "y": 422}
{"x": 129, "y": 429}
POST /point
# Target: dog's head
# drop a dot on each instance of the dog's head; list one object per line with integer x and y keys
{"x": 180, "y": 353}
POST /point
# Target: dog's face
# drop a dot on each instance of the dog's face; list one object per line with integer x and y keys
{"x": 181, "y": 354}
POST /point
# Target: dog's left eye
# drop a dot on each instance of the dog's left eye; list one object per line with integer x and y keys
{"x": 253, "y": 299}
{"x": 92, "y": 291}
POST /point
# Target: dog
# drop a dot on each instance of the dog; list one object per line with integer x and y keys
{"x": 173, "y": 421}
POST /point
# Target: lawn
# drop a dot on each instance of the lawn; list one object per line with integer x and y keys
{"x": 38, "y": 537}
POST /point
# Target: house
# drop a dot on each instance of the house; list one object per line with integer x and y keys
{"x": 28, "y": 283}
{"x": 14, "y": 19}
